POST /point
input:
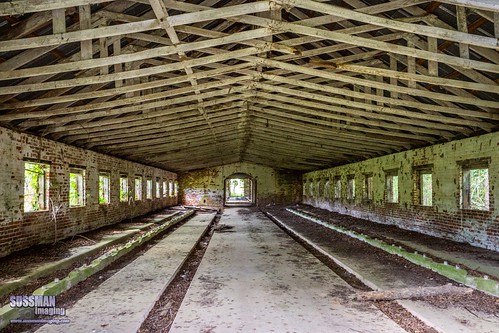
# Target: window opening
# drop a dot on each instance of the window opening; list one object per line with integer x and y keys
{"x": 35, "y": 186}
{"x": 76, "y": 187}
{"x": 104, "y": 186}
{"x": 138, "y": 188}
{"x": 475, "y": 188}
{"x": 123, "y": 188}
{"x": 392, "y": 188}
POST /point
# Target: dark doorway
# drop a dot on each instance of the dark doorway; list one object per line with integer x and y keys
{"x": 239, "y": 190}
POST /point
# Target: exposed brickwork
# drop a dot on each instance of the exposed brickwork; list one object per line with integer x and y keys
{"x": 206, "y": 187}
{"x": 445, "y": 218}
{"x": 19, "y": 230}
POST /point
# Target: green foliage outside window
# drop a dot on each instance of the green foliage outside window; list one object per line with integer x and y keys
{"x": 123, "y": 189}
{"x": 479, "y": 189}
{"x": 76, "y": 188}
{"x": 426, "y": 189}
{"x": 35, "y": 178}
{"x": 103, "y": 189}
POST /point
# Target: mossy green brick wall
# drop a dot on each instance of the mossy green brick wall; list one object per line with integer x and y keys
{"x": 206, "y": 187}
{"x": 20, "y": 230}
{"x": 445, "y": 218}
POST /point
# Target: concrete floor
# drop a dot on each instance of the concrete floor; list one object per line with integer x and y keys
{"x": 255, "y": 278}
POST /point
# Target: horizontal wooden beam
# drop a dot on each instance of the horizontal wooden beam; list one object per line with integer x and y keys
{"x": 127, "y": 28}
{"x": 452, "y": 35}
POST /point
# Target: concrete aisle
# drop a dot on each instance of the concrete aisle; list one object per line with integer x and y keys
{"x": 121, "y": 303}
{"x": 255, "y": 278}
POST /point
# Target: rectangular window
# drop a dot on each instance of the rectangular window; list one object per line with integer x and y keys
{"x": 426, "y": 188}
{"x": 368, "y": 187}
{"x": 175, "y": 188}
{"x": 475, "y": 187}
{"x": 138, "y": 188}
{"x": 392, "y": 187}
{"x": 351, "y": 188}
{"x": 149, "y": 188}
{"x": 337, "y": 188}
{"x": 170, "y": 188}
{"x": 123, "y": 188}
{"x": 158, "y": 188}
{"x": 104, "y": 188}
{"x": 327, "y": 189}
{"x": 76, "y": 187}
{"x": 35, "y": 186}
{"x": 165, "y": 189}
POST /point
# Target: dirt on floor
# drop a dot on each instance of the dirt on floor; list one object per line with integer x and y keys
{"x": 70, "y": 297}
{"x": 22, "y": 262}
{"x": 163, "y": 314}
{"x": 475, "y": 302}
{"x": 379, "y": 230}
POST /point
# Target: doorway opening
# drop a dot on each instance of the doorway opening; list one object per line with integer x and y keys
{"x": 239, "y": 190}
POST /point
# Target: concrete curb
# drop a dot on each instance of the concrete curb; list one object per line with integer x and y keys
{"x": 455, "y": 273}
{"x": 79, "y": 274}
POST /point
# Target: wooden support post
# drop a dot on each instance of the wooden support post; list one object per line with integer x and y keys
{"x": 85, "y": 23}
{"x": 104, "y": 53}
{"x": 411, "y": 66}
{"x": 379, "y": 91}
{"x": 59, "y": 21}
{"x": 117, "y": 67}
{"x": 356, "y": 89}
{"x": 496, "y": 24}
{"x": 368, "y": 91}
{"x": 393, "y": 80}
{"x": 432, "y": 65}
{"x": 462, "y": 25}
{"x": 128, "y": 82}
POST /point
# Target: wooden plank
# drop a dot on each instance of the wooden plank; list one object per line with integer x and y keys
{"x": 456, "y": 36}
{"x": 373, "y": 84}
{"x": 20, "y": 7}
{"x": 126, "y": 28}
{"x": 490, "y": 5}
{"x": 239, "y": 54}
{"x": 85, "y": 24}
{"x": 432, "y": 65}
{"x": 136, "y": 56}
{"x": 146, "y": 85}
{"x": 462, "y": 25}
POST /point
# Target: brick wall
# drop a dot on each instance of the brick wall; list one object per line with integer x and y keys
{"x": 19, "y": 229}
{"x": 206, "y": 187}
{"x": 445, "y": 218}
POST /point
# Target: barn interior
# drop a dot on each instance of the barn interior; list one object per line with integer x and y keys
{"x": 350, "y": 139}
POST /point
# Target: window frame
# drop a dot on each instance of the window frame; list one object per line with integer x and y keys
{"x": 149, "y": 188}
{"x": 337, "y": 187}
{"x": 465, "y": 183}
{"x": 419, "y": 173}
{"x": 107, "y": 187}
{"x": 158, "y": 188}
{"x": 368, "y": 187}
{"x": 45, "y": 184}
{"x": 351, "y": 187}
{"x": 124, "y": 185}
{"x": 171, "y": 188}
{"x": 390, "y": 176}
{"x": 138, "y": 195}
{"x": 81, "y": 172}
